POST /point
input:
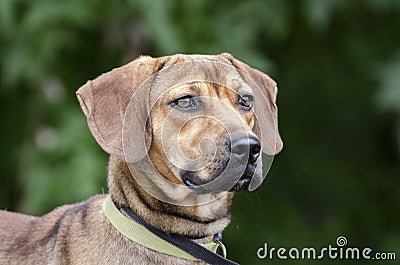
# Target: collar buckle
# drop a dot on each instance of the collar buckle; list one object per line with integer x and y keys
{"x": 218, "y": 240}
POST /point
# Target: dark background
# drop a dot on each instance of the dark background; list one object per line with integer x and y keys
{"x": 337, "y": 64}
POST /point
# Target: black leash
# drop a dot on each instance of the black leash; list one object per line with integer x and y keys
{"x": 183, "y": 243}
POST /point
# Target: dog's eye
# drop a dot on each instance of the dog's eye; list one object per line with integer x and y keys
{"x": 184, "y": 103}
{"x": 246, "y": 102}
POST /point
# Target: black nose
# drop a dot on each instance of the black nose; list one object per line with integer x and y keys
{"x": 245, "y": 148}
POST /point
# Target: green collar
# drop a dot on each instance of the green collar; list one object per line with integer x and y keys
{"x": 139, "y": 234}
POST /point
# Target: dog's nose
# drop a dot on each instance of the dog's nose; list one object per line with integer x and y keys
{"x": 245, "y": 148}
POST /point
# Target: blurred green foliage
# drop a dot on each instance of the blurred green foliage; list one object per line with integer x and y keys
{"x": 337, "y": 64}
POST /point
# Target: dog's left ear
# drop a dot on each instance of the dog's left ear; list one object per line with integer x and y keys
{"x": 105, "y": 101}
{"x": 266, "y": 110}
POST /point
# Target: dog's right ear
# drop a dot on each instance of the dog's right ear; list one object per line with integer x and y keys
{"x": 105, "y": 100}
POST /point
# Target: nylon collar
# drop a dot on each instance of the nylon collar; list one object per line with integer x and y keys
{"x": 138, "y": 233}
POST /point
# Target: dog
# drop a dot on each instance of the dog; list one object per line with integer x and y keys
{"x": 184, "y": 133}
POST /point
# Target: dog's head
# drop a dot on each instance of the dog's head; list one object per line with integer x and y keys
{"x": 204, "y": 122}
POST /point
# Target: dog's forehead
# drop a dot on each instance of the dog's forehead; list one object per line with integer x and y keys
{"x": 200, "y": 70}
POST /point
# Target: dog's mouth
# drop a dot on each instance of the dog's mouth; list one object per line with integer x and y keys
{"x": 189, "y": 183}
{"x": 190, "y": 179}
{"x": 242, "y": 185}
{"x": 227, "y": 182}
{"x": 244, "y": 182}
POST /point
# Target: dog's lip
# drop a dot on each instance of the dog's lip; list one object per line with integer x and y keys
{"x": 197, "y": 188}
{"x": 189, "y": 183}
{"x": 242, "y": 184}
{"x": 187, "y": 179}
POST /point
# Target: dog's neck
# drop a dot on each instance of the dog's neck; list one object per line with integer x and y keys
{"x": 201, "y": 221}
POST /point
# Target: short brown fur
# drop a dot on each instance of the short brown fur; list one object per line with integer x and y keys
{"x": 80, "y": 233}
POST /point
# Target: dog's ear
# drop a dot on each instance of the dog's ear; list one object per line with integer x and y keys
{"x": 105, "y": 101}
{"x": 266, "y": 122}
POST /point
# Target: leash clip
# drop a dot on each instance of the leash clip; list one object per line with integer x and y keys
{"x": 218, "y": 239}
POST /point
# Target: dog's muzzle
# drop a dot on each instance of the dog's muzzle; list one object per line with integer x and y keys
{"x": 241, "y": 166}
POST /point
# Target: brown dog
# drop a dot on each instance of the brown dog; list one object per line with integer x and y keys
{"x": 183, "y": 132}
